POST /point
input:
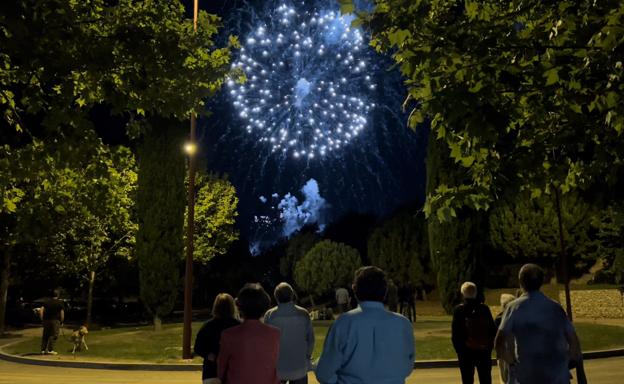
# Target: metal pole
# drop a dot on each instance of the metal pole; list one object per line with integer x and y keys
{"x": 188, "y": 276}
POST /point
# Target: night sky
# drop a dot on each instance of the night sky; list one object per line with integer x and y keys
{"x": 377, "y": 170}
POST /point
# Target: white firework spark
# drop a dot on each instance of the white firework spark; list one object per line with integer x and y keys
{"x": 308, "y": 86}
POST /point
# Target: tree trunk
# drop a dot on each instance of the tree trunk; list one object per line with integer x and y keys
{"x": 157, "y": 323}
{"x": 90, "y": 297}
{"x": 565, "y": 274}
{"x": 5, "y": 273}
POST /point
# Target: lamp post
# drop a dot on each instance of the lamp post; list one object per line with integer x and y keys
{"x": 190, "y": 149}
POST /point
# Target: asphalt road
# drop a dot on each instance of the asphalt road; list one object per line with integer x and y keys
{"x": 600, "y": 371}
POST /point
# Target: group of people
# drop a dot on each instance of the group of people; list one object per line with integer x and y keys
{"x": 533, "y": 339}
{"x": 368, "y": 344}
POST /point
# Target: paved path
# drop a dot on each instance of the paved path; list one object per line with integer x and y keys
{"x": 601, "y": 371}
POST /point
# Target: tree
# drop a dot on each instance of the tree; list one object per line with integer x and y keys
{"x": 70, "y": 216}
{"x": 400, "y": 247}
{"x": 141, "y": 60}
{"x": 160, "y": 210}
{"x": 326, "y": 266}
{"x": 97, "y": 220}
{"x": 297, "y": 247}
{"x": 27, "y": 218}
{"x": 526, "y": 94}
{"x": 610, "y": 225}
{"x": 215, "y": 216}
{"x": 528, "y": 229}
{"x": 456, "y": 246}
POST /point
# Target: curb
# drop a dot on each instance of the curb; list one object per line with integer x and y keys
{"x": 591, "y": 355}
{"x": 427, "y": 364}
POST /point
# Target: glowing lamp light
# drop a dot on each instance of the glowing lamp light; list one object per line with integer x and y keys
{"x": 190, "y": 148}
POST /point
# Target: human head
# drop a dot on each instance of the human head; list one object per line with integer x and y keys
{"x": 505, "y": 299}
{"x": 370, "y": 284}
{"x": 56, "y": 292}
{"x": 284, "y": 293}
{"x": 531, "y": 277}
{"x": 252, "y": 301}
{"x": 223, "y": 306}
{"x": 469, "y": 290}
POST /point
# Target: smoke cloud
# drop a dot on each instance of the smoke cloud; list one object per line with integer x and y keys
{"x": 295, "y": 215}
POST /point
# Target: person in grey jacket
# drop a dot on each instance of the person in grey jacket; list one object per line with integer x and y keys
{"x": 296, "y": 338}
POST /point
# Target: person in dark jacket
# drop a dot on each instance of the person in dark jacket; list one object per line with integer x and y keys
{"x": 52, "y": 315}
{"x": 473, "y": 333}
{"x": 208, "y": 337}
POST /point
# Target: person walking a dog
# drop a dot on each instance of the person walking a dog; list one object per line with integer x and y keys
{"x": 52, "y": 315}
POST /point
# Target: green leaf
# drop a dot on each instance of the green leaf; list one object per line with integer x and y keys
{"x": 552, "y": 76}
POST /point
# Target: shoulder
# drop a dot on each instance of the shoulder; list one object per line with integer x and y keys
{"x": 485, "y": 308}
{"x": 398, "y": 319}
{"x": 273, "y": 331}
{"x": 270, "y": 312}
{"x": 302, "y": 311}
{"x": 231, "y": 332}
{"x": 459, "y": 309}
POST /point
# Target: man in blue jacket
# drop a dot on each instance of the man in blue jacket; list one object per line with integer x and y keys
{"x": 368, "y": 344}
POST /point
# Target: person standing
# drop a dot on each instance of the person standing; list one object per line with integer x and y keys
{"x": 52, "y": 315}
{"x": 369, "y": 344}
{"x": 535, "y": 337}
{"x": 505, "y": 299}
{"x": 249, "y": 352}
{"x": 473, "y": 332}
{"x": 296, "y": 336}
{"x": 209, "y": 336}
{"x": 392, "y": 297}
{"x": 342, "y": 299}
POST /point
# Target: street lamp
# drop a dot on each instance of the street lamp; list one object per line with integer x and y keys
{"x": 191, "y": 150}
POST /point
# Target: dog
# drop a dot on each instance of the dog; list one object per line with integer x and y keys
{"x": 78, "y": 338}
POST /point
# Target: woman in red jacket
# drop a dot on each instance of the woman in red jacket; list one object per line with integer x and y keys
{"x": 249, "y": 351}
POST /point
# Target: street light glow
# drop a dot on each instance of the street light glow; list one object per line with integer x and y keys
{"x": 190, "y": 148}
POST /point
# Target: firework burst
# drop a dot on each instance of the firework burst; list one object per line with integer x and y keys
{"x": 308, "y": 86}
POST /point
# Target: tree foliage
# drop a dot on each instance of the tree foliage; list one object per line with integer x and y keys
{"x": 215, "y": 216}
{"x": 610, "y": 224}
{"x": 326, "y": 266}
{"x": 141, "y": 60}
{"x": 74, "y": 217}
{"x": 97, "y": 215}
{"x": 456, "y": 246}
{"x": 400, "y": 247}
{"x": 525, "y": 94}
{"x": 297, "y": 247}
{"x": 137, "y": 58}
{"x": 161, "y": 201}
{"x": 528, "y": 229}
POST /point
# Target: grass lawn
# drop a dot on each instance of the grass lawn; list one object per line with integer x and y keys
{"x": 141, "y": 344}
